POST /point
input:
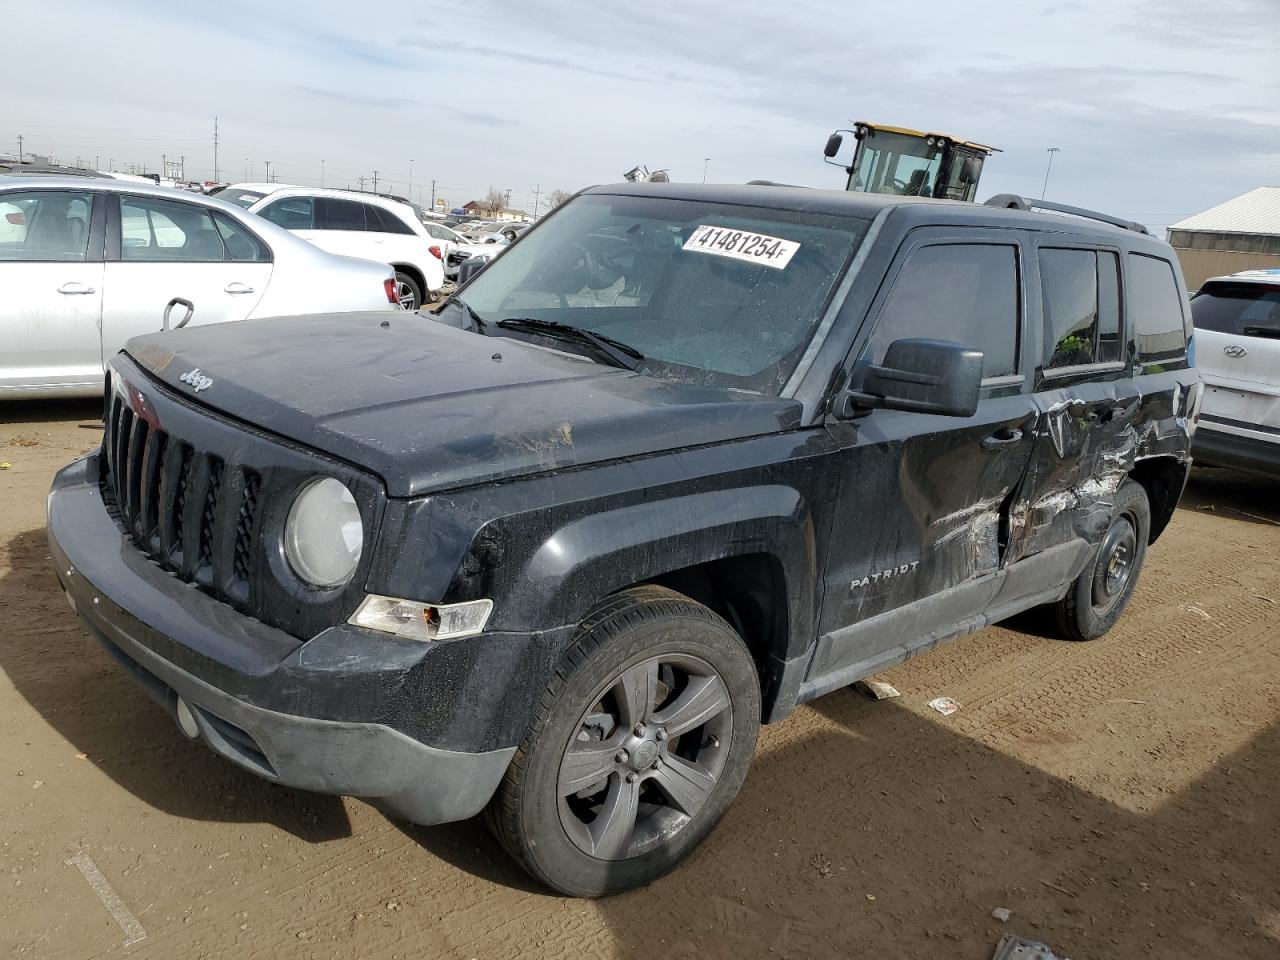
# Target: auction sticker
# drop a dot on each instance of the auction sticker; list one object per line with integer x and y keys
{"x": 742, "y": 245}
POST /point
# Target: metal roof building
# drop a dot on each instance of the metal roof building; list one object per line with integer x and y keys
{"x": 1241, "y": 234}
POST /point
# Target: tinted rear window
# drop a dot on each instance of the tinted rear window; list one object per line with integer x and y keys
{"x": 1242, "y": 309}
{"x": 1155, "y": 309}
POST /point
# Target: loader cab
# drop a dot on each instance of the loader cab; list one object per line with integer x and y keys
{"x": 909, "y": 163}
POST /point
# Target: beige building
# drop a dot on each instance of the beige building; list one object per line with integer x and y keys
{"x": 1241, "y": 234}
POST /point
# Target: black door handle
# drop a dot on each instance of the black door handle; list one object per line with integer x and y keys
{"x": 1006, "y": 438}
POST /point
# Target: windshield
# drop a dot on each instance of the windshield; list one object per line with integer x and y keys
{"x": 895, "y": 163}
{"x": 707, "y": 292}
{"x": 1243, "y": 309}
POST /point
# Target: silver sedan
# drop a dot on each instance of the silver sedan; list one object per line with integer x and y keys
{"x": 87, "y": 264}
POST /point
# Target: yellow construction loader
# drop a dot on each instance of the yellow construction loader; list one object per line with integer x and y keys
{"x": 910, "y": 163}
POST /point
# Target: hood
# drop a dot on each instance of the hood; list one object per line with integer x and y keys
{"x": 429, "y": 407}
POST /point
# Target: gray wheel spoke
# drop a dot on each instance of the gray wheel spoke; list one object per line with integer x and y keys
{"x": 612, "y": 828}
{"x": 702, "y": 699}
{"x": 637, "y": 689}
{"x": 585, "y": 764}
{"x": 685, "y": 784}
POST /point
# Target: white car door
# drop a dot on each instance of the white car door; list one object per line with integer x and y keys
{"x": 181, "y": 258}
{"x": 51, "y": 278}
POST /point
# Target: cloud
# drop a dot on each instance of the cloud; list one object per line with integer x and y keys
{"x": 357, "y": 99}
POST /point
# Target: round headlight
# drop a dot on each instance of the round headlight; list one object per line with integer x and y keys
{"x": 324, "y": 535}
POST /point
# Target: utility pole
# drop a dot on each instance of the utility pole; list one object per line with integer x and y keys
{"x": 537, "y": 192}
{"x": 96, "y": 159}
{"x": 433, "y": 194}
{"x": 268, "y": 174}
{"x": 1051, "y": 151}
{"x": 322, "y": 173}
{"x": 215, "y": 151}
{"x": 409, "y": 193}
{"x": 362, "y": 184}
{"x": 375, "y": 181}
{"x": 19, "y": 148}
{"x": 705, "y": 163}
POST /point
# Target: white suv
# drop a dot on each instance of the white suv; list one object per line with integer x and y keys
{"x": 363, "y": 225}
{"x": 1237, "y": 322}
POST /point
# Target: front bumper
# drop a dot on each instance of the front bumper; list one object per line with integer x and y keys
{"x": 1217, "y": 448}
{"x": 328, "y": 715}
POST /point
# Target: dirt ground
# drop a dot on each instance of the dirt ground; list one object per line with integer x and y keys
{"x": 1121, "y": 797}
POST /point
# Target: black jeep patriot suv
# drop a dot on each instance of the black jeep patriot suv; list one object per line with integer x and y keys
{"x": 682, "y": 458}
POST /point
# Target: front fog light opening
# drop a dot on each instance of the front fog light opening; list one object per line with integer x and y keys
{"x": 412, "y": 620}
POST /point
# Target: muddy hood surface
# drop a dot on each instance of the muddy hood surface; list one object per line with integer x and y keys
{"x": 428, "y": 407}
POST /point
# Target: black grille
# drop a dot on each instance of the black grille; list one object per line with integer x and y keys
{"x": 186, "y": 509}
{"x": 244, "y": 526}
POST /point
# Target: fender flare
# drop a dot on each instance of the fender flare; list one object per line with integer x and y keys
{"x": 593, "y": 556}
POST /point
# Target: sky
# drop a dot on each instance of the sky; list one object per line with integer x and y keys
{"x": 1159, "y": 108}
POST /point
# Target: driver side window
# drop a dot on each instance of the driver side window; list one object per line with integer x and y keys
{"x": 964, "y": 292}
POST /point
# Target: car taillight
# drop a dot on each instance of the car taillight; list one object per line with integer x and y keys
{"x": 435, "y": 251}
{"x": 389, "y": 285}
{"x": 17, "y": 219}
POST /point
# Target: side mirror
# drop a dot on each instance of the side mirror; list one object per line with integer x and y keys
{"x": 971, "y": 169}
{"x": 923, "y": 376}
{"x": 834, "y": 142}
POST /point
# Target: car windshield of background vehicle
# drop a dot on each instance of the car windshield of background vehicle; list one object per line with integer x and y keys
{"x": 710, "y": 293}
{"x": 1243, "y": 309}
{"x": 241, "y": 198}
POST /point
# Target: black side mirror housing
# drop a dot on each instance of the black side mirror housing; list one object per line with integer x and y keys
{"x": 971, "y": 169}
{"x": 922, "y": 376}
{"x": 834, "y": 142}
{"x": 469, "y": 267}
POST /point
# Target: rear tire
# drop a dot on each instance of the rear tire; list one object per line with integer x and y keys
{"x": 637, "y": 747}
{"x": 1099, "y": 595}
{"x": 407, "y": 291}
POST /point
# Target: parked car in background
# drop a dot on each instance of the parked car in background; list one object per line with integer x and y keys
{"x": 447, "y": 237}
{"x": 1238, "y": 352}
{"x": 246, "y": 194}
{"x": 86, "y": 264}
{"x": 485, "y": 247}
{"x": 363, "y": 225}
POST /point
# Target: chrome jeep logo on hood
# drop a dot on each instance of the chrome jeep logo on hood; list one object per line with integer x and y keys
{"x": 196, "y": 380}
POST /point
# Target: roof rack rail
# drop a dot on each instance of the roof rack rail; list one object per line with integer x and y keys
{"x": 1015, "y": 202}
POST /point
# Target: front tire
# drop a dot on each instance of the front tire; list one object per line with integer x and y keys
{"x": 1099, "y": 595}
{"x": 637, "y": 747}
{"x": 408, "y": 293}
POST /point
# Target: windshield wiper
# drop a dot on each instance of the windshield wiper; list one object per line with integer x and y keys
{"x": 617, "y": 352}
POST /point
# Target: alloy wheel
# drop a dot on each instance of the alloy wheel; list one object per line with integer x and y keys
{"x": 645, "y": 756}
